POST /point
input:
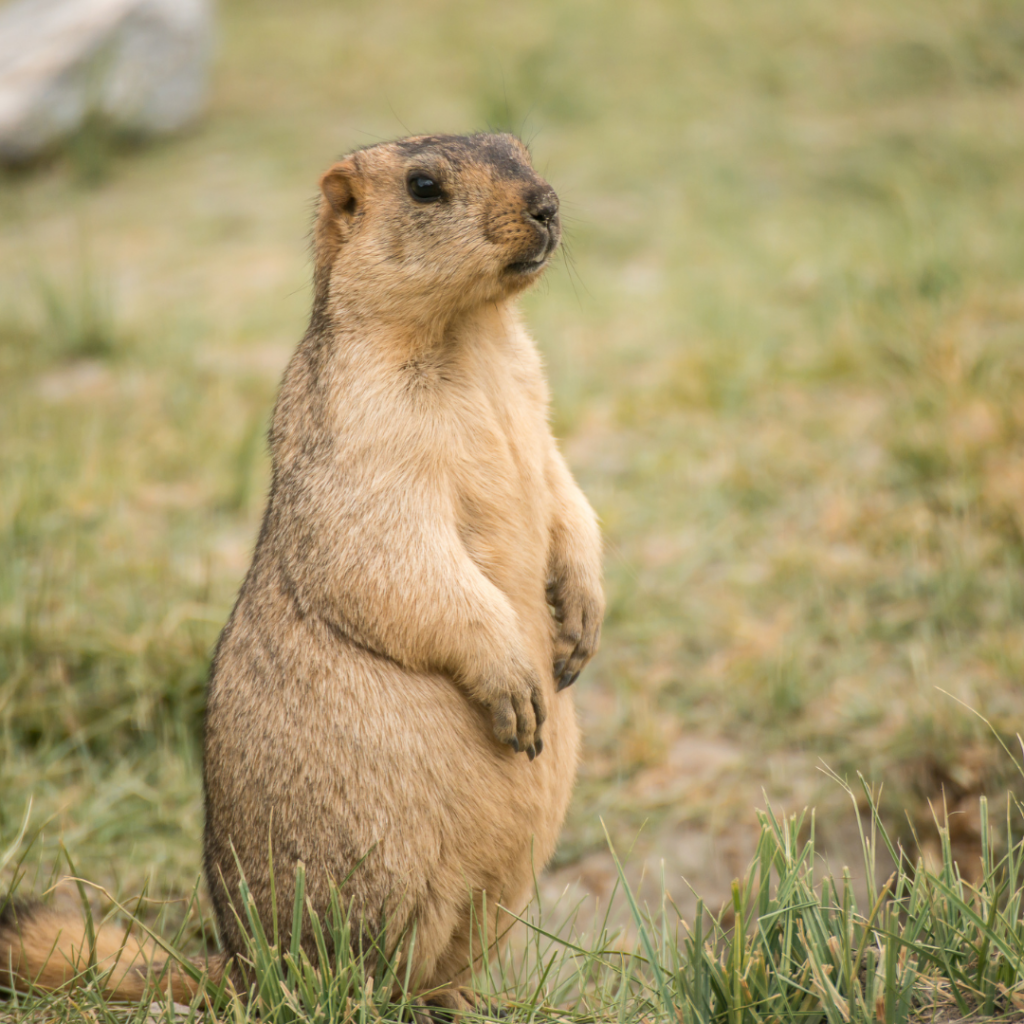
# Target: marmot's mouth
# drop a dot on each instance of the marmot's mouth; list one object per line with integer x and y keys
{"x": 542, "y": 255}
{"x": 527, "y": 266}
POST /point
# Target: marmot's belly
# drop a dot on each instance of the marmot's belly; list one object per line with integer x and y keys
{"x": 402, "y": 766}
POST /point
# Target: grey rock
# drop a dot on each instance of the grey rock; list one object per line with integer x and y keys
{"x": 141, "y": 65}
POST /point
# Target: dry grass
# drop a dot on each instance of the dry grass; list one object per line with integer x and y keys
{"x": 787, "y": 355}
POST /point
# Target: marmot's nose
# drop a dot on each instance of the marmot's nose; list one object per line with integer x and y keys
{"x": 543, "y": 209}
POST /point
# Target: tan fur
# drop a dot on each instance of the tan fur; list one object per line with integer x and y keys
{"x": 392, "y": 646}
{"x": 49, "y": 949}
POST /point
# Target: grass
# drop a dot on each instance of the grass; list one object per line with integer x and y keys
{"x": 786, "y": 358}
{"x": 793, "y": 945}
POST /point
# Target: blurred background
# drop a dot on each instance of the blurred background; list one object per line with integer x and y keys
{"x": 786, "y": 348}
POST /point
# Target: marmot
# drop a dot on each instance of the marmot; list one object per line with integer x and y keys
{"x": 387, "y": 703}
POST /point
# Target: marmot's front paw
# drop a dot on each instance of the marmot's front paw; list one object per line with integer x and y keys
{"x": 579, "y": 616}
{"x": 518, "y": 712}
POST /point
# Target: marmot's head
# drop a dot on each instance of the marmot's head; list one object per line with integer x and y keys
{"x": 427, "y": 226}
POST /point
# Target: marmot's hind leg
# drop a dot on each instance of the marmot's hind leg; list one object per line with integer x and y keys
{"x": 480, "y": 935}
{"x": 448, "y": 1004}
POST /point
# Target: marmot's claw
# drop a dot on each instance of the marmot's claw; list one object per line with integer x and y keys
{"x": 531, "y": 751}
{"x": 567, "y": 680}
{"x": 577, "y": 639}
{"x": 539, "y": 744}
{"x": 518, "y": 714}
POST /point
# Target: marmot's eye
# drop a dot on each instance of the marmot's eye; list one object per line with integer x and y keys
{"x": 424, "y": 188}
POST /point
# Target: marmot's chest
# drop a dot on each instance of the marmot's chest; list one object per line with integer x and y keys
{"x": 501, "y": 493}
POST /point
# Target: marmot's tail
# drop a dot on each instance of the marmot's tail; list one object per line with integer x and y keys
{"x": 43, "y": 949}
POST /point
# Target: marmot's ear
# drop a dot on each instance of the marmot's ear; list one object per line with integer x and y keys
{"x": 338, "y": 186}
{"x": 335, "y": 221}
